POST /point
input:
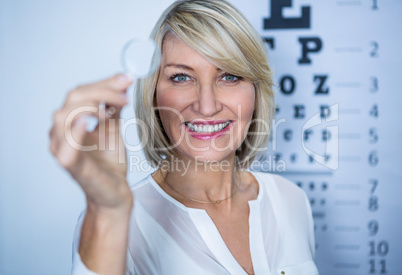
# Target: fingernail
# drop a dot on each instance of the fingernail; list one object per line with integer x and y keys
{"x": 124, "y": 79}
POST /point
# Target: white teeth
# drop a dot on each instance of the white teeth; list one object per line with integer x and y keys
{"x": 207, "y": 128}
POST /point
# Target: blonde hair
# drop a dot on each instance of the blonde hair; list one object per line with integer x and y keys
{"x": 220, "y": 33}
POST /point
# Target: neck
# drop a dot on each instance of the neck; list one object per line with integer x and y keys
{"x": 201, "y": 181}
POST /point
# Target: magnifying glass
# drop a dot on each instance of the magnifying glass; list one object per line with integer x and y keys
{"x": 140, "y": 59}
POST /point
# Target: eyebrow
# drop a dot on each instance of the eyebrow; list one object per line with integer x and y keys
{"x": 181, "y": 66}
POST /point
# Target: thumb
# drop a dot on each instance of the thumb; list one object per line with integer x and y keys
{"x": 112, "y": 117}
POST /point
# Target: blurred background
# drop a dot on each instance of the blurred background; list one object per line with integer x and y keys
{"x": 336, "y": 133}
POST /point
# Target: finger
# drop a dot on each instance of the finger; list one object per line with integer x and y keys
{"x": 113, "y": 112}
{"x": 111, "y": 124}
{"x": 94, "y": 96}
{"x": 117, "y": 83}
{"x": 80, "y": 101}
{"x": 73, "y": 144}
{"x": 64, "y": 121}
{"x": 52, "y": 141}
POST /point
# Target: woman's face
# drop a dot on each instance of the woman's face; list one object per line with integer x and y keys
{"x": 205, "y": 111}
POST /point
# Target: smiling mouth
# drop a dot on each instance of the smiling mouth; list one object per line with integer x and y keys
{"x": 207, "y": 127}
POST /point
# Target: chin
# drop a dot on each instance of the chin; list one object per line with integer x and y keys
{"x": 211, "y": 156}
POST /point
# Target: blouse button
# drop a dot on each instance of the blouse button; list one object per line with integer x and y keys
{"x": 283, "y": 272}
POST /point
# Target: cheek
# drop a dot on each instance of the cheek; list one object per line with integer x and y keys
{"x": 171, "y": 97}
{"x": 162, "y": 97}
{"x": 169, "y": 111}
{"x": 167, "y": 114}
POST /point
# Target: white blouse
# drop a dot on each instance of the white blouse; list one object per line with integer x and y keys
{"x": 169, "y": 238}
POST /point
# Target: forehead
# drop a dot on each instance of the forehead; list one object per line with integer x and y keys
{"x": 175, "y": 50}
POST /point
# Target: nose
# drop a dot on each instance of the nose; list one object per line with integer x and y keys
{"x": 207, "y": 104}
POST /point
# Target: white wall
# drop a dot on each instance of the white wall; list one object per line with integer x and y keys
{"x": 48, "y": 47}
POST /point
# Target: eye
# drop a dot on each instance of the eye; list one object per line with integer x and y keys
{"x": 231, "y": 78}
{"x": 180, "y": 77}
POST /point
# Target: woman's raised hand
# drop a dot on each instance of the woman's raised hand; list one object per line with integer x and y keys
{"x": 96, "y": 160}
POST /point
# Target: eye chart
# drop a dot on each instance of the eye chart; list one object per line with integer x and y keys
{"x": 336, "y": 131}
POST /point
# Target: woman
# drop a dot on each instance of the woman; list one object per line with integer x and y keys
{"x": 206, "y": 114}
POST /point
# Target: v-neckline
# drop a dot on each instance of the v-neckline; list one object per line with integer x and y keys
{"x": 214, "y": 241}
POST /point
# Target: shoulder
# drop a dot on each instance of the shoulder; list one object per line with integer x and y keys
{"x": 291, "y": 208}
{"x": 285, "y": 195}
{"x": 286, "y": 189}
